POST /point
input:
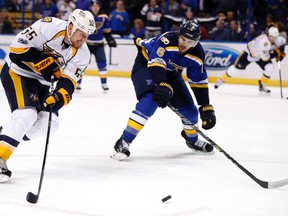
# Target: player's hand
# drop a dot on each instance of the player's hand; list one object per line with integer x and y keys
{"x": 111, "y": 42}
{"x": 48, "y": 67}
{"x": 58, "y": 99}
{"x": 207, "y": 116}
{"x": 163, "y": 94}
{"x": 280, "y": 55}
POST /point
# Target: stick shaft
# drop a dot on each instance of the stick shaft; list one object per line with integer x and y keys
{"x": 280, "y": 78}
{"x": 36, "y": 197}
{"x": 45, "y": 152}
{"x": 263, "y": 184}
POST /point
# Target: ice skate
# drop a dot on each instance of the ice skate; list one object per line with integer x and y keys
{"x": 105, "y": 87}
{"x": 121, "y": 150}
{"x": 263, "y": 88}
{"x": 199, "y": 145}
{"x": 5, "y": 174}
{"x": 218, "y": 83}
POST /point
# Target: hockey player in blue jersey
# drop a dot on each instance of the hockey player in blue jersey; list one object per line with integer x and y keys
{"x": 95, "y": 42}
{"x": 157, "y": 79}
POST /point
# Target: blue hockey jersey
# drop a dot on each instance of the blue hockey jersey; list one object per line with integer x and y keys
{"x": 164, "y": 59}
{"x": 163, "y": 52}
{"x": 102, "y": 26}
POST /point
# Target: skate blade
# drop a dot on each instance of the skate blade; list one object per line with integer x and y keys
{"x": 118, "y": 156}
{"x": 197, "y": 152}
{"x": 3, "y": 178}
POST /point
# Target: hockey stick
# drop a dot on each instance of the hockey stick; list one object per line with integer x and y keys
{"x": 264, "y": 184}
{"x": 110, "y": 57}
{"x": 280, "y": 78}
{"x": 30, "y": 197}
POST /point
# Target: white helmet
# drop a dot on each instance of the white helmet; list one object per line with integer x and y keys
{"x": 82, "y": 20}
{"x": 273, "y": 32}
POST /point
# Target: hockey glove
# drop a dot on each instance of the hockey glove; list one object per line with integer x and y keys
{"x": 111, "y": 42}
{"x": 48, "y": 67}
{"x": 58, "y": 99}
{"x": 280, "y": 55}
{"x": 207, "y": 116}
{"x": 163, "y": 94}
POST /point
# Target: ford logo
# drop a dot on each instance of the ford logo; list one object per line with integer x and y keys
{"x": 219, "y": 57}
{"x": 2, "y": 54}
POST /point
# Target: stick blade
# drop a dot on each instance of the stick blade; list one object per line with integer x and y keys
{"x": 277, "y": 184}
{"x": 31, "y": 198}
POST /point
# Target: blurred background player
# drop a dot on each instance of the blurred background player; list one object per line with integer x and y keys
{"x": 260, "y": 50}
{"x": 95, "y": 42}
{"x": 50, "y": 49}
{"x": 157, "y": 80}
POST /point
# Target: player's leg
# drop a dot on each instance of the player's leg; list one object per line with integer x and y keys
{"x": 102, "y": 66}
{"x": 183, "y": 102}
{"x": 23, "y": 99}
{"x": 40, "y": 126}
{"x": 268, "y": 69}
{"x": 144, "y": 109}
{"x": 240, "y": 64}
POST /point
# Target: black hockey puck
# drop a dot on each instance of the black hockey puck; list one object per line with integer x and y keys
{"x": 166, "y": 198}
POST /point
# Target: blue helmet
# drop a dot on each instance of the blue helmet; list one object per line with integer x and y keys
{"x": 190, "y": 30}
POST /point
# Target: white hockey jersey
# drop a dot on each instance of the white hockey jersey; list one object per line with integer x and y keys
{"x": 47, "y": 35}
{"x": 260, "y": 47}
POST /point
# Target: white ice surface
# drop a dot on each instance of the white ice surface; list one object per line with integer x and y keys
{"x": 81, "y": 180}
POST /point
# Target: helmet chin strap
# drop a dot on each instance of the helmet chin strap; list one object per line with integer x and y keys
{"x": 69, "y": 36}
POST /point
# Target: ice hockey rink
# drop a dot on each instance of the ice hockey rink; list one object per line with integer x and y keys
{"x": 81, "y": 179}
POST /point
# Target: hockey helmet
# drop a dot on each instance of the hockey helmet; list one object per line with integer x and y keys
{"x": 190, "y": 30}
{"x": 82, "y": 20}
{"x": 273, "y": 32}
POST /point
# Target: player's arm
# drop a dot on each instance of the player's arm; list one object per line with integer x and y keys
{"x": 199, "y": 84}
{"x": 278, "y": 53}
{"x": 158, "y": 58}
{"x": 62, "y": 95}
{"x": 110, "y": 39}
{"x": 107, "y": 31}
{"x": 72, "y": 72}
{"x": 198, "y": 81}
{"x": 206, "y": 110}
{"x": 66, "y": 85}
{"x": 197, "y": 75}
{"x": 42, "y": 62}
{"x": 163, "y": 91}
{"x": 26, "y": 48}
{"x": 154, "y": 51}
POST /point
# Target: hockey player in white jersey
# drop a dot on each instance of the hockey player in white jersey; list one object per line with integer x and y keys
{"x": 47, "y": 51}
{"x": 260, "y": 50}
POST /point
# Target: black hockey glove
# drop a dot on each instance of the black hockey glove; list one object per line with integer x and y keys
{"x": 58, "y": 99}
{"x": 111, "y": 42}
{"x": 163, "y": 94}
{"x": 47, "y": 66}
{"x": 207, "y": 116}
{"x": 280, "y": 55}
